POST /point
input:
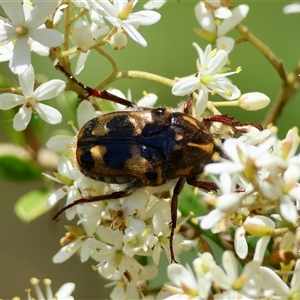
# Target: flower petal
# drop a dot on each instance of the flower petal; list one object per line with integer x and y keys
{"x": 85, "y": 112}
{"x": 60, "y": 143}
{"x": 14, "y": 12}
{"x": 22, "y": 118}
{"x": 40, "y": 12}
{"x": 295, "y": 283}
{"x": 211, "y": 219}
{"x": 229, "y": 263}
{"x": 288, "y": 210}
{"x": 180, "y": 276}
{"x": 26, "y": 80}
{"x": 205, "y": 17}
{"x": 65, "y": 291}
{"x": 216, "y": 62}
{"x": 134, "y": 34}
{"x": 49, "y": 90}
{"x": 201, "y": 102}
{"x": 82, "y": 57}
{"x": 21, "y": 58}
{"x": 185, "y": 86}
{"x": 154, "y": 4}
{"x": 47, "y": 37}
{"x": 55, "y": 197}
{"x": 8, "y": 101}
{"x": 226, "y": 43}
{"x": 144, "y": 17}
{"x": 273, "y": 282}
{"x": 292, "y": 8}
{"x": 39, "y": 48}
{"x": 67, "y": 251}
{"x": 105, "y": 8}
{"x": 240, "y": 243}
{"x": 238, "y": 14}
{"x": 7, "y": 33}
{"x": 48, "y": 113}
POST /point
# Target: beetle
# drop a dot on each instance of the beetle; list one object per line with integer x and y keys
{"x": 144, "y": 147}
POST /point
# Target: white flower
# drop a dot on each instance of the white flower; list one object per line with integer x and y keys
{"x": 127, "y": 212}
{"x": 138, "y": 242}
{"x": 243, "y": 158}
{"x": 208, "y": 79}
{"x": 220, "y": 11}
{"x": 123, "y": 290}
{"x": 73, "y": 181}
{"x": 31, "y": 100}
{"x": 228, "y": 202}
{"x": 110, "y": 257}
{"x": 73, "y": 241}
{"x": 292, "y": 8}
{"x": 215, "y": 34}
{"x": 64, "y": 293}
{"x": 227, "y": 277}
{"x": 189, "y": 285}
{"x": 24, "y": 24}
{"x": 119, "y": 14}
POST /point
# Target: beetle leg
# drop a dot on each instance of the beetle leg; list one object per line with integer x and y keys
{"x": 103, "y": 94}
{"x": 174, "y": 204}
{"x": 115, "y": 195}
{"x": 188, "y": 104}
{"x": 209, "y": 186}
{"x": 229, "y": 121}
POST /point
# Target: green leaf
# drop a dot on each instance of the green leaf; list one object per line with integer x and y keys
{"x": 32, "y": 205}
{"x": 188, "y": 201}
{"x": 252, "y": 241}
{"x": 13, "y": 168}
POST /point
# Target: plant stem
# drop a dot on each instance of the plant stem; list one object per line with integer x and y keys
{"x": 11, "y": 90}
{"x": 147, "y": 76}
{"x": 290, "y": 82}
{"x": 260, "y": 46}
{"x": 284, "y": 95}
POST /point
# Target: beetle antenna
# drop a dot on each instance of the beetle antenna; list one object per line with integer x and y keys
{"x": 103, "y": 94}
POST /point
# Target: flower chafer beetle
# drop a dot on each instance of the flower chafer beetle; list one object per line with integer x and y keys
{"x": 144, "y": 147}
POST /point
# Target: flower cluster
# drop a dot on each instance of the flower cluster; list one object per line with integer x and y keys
{"x": 253, "y": 282}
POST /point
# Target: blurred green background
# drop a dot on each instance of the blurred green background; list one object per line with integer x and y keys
{"x": 27, "y": 250}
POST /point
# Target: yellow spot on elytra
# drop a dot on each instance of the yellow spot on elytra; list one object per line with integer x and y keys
{"x": 192, "y": 121}
{"x": 208, "y": 148}
{"x": 178, "y": 137}
{"x": 183, "y": 172}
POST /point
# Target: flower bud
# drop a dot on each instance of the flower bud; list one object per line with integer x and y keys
{"x": 118, "y": 41}
{"x": 259, "y": 225}
{"x": 82, "y": 37}
{"x": 253, "y": 101}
